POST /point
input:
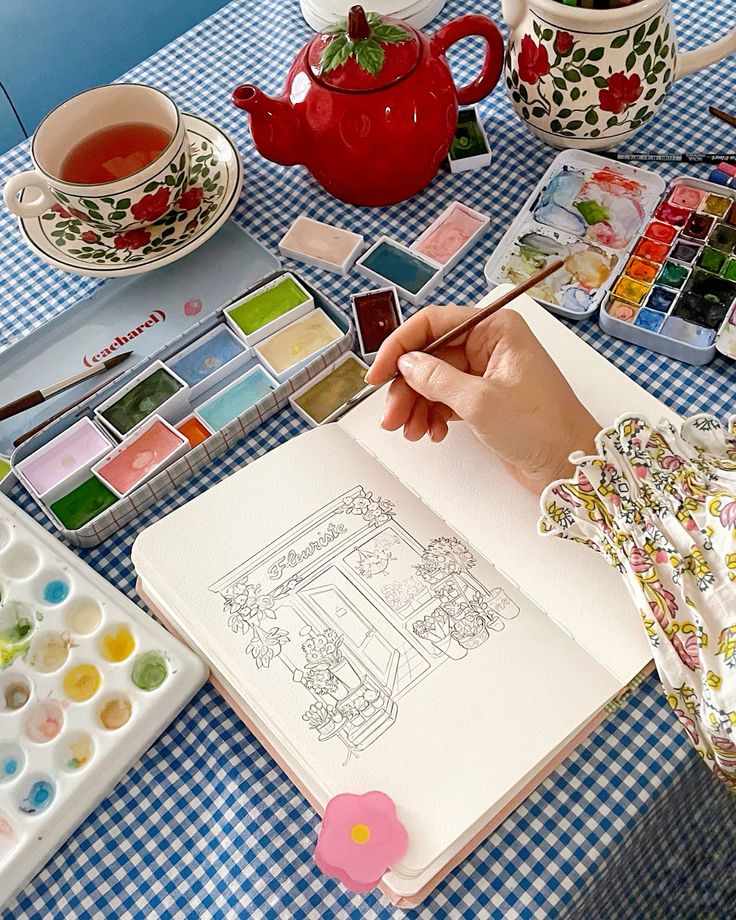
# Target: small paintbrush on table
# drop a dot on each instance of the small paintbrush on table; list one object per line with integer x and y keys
{"x": 470, "y": 323}
{"x": 39, "y": 396}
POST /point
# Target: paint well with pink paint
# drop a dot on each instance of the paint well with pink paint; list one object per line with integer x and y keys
{"x": 141, "y": 457}
{"x": 75, "y": 449}
{"x": 451, "y": 236}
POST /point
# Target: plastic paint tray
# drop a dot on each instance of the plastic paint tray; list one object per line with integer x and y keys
{"x": 88, "y": 681}
{"x": 586, "y": 207}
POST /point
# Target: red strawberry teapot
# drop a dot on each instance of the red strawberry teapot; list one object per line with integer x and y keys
{"x": 370, "y": 105}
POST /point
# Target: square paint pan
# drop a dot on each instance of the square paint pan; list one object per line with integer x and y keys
{"x": 252, "y": 389}
{"x": 322, "y": 245}
{"x": 209, "y": 359}
{"x": 194, "y": 430}
{"x": 65, "y": 461}
{"x": 157, "y": 390}
{"x": 151, "y": 448}
{"x": 321, "y": 399}
{"x": 269, "y": 308}
{"x": 450, "y": 237}
{"x": 470, "y": 148}
{"x": 390, "y": 263}
{"x": 376, "y": 315}
{"x": 291, "y": 349}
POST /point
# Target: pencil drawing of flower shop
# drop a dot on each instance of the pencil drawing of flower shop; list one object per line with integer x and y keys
{"x": 359, "y": 612}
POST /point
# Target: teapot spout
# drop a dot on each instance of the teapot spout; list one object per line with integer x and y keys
{"x": 273, "y": 124}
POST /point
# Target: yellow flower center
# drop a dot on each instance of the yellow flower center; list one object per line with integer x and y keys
{"x": 359, "y": 833}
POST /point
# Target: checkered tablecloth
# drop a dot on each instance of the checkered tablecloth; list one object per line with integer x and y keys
{"x": 206, "y": 824}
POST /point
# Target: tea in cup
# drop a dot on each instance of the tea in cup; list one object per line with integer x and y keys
{"x": 116, "y": 157}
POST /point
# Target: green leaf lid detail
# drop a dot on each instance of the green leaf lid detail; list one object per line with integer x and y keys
{"x": 363, "y": 52}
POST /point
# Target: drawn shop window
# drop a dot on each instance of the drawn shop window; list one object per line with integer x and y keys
{"x": 358, "y": 612}
{"x": 387, "y": 564}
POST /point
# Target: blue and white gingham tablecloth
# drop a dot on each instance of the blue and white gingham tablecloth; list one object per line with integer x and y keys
{"x": 206, "y": 824}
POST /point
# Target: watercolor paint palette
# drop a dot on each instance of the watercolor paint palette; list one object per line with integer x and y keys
{"x": 143, "y": 313}
{"x": 88, "y": 681}
{"x": 677, "y": 291}
{"x": 158, "y": 426}
{"x": 586, "y": 210}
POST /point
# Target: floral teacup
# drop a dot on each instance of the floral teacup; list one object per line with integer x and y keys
{"x": 591, "y": 78}
{"x": 123, "y": 204}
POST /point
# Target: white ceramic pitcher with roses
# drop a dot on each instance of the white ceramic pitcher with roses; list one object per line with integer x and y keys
{"x": 590, "y": 78}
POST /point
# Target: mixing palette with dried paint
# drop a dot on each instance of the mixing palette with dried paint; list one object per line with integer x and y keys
{"x": 87, "y": 683}
{"x": 587, "y": 211}
{"x": 677, "y": 294}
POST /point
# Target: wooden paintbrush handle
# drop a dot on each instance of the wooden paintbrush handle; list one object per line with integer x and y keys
{"x": 20, "y": 405}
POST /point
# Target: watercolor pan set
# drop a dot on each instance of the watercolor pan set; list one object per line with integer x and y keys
{"x": 586, "y": 210}
{"x": 88, "y": 681}
{"x": 677, "y": 292}
{"x": 154, "y": 426}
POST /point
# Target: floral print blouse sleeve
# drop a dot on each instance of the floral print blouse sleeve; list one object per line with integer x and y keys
{"x": 659, "y": 503}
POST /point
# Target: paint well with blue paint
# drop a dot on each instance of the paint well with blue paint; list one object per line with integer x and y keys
{"x": 12, "y": 761}
{"x": 649, "y": 319}
{"x": 40, "y": 796}
{"x": 56, "y": 591}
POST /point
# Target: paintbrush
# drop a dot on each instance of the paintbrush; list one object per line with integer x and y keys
{"x": 724, "y": 116}
{"x": 457, "y": 331}
{"x": 39, "y": 396}
{"x": 68, "y": 408}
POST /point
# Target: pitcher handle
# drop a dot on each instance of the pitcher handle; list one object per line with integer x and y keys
{"x": 464, "y": 27}
{"x": 690, "y": 61}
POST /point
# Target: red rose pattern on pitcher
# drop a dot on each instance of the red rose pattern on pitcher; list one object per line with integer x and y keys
{"x": 557, "y": 78}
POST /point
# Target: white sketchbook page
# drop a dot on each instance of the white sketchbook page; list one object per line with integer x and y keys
{"x": 449, "y": 730}
{"x": 464, "y": 483}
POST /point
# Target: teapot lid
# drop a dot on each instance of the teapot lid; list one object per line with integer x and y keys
{"x": 364, "y": 52}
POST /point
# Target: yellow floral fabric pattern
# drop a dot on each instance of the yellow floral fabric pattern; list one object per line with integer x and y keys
{"x": 660, "y": 505}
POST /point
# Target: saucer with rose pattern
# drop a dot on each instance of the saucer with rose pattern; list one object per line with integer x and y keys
{"x": 66, "y": 242}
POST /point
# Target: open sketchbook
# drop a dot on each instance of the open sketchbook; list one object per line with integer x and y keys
{"x": 385, "y": 616}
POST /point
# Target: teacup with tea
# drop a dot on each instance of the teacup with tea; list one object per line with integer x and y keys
{"x": 116, "y": 157}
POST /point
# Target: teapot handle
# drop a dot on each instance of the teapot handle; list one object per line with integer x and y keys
{"x": 464, "y": 27}
{"x": 690, "y": 61}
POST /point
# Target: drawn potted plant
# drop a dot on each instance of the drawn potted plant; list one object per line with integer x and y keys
{"x": 444, "y": 556}
{"x": 435, "y": 628}
{"x": 325, "y": 720}
{"x": 470, "y": 631}
{"x": 501, "y": 603}
{"x": 247, "y": 609}
{"x": 324, "y": 683}
{"x": 323, "y": 652}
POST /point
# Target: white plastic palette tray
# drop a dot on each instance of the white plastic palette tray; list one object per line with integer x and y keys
{"x": 586, "y": 209}
{"x": 61, "y": 625}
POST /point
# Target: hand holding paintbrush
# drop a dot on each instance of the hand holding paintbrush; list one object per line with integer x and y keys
{"x": 491, "y": 372}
